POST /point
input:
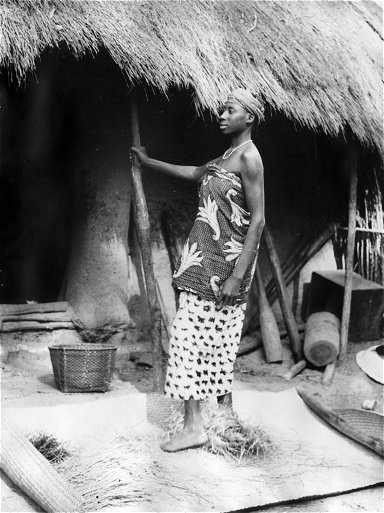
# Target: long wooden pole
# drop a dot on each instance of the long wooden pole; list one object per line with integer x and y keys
{"x": 286, "y": 309}
{"x": 351, "y": 162}
{"x": 141, "y": 218}
{"x": 269, "y": 330}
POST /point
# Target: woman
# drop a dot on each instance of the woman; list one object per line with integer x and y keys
{"x": 216, "y": 268}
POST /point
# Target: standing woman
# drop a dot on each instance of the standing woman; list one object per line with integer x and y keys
{"x": 216, "y": 268}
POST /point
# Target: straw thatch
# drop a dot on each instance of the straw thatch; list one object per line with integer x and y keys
{"x": 319, "y": 62}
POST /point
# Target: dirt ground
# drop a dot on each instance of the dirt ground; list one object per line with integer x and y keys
{"x": 27, "y": 380}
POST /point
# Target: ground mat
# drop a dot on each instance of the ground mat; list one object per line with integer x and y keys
{"x": 309, "y": 459}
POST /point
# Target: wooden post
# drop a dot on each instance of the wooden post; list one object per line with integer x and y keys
{"x": 289, "y": 319}
{"x": 268, "y": 325}
{"x": 141, "y": 218}
{"x": 351, "y": 161}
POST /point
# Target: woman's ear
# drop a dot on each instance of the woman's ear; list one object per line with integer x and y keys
{"x": 250, "y": 118}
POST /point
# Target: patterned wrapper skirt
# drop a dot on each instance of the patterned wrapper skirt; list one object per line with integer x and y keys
{"x": 202, "y": 349}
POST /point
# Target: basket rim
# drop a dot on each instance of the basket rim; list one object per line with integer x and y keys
{"x": 82, "y": 347}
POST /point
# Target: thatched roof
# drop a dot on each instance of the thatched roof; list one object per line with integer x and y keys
{"x": 319, "y": 62}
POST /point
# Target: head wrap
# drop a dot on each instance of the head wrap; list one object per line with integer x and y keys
{"x": 246, "y": 99}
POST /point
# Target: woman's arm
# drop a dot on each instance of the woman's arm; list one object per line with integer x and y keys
{"x": 186, "y": 172}
{"x": 252, "y": 175}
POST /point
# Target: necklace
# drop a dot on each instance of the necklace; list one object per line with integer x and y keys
{"x": 225, "y": 156}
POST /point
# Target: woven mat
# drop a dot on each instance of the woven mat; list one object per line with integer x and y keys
{"x": 310, "y": 460}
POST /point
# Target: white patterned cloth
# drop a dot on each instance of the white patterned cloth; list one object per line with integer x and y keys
{"x": 202, "y": 349}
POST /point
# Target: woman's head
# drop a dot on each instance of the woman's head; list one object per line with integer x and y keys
{"x": 249, "y": 103}
{"x": 240, "y": 112}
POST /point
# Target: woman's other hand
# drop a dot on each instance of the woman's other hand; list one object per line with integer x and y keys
{"x": 229, "y": 291}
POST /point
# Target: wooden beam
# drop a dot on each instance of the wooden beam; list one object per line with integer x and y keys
{"x": 351, "y": 162}
{"x": 39, "y": 317}
{"x": 141, "y": 218}
{"x": 269, "y": 330}
{"x": 36, "y": 326}
{"x": 286, "y": 309}
{"x": 59, "y": 306}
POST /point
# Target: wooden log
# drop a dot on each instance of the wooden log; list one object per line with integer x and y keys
{"x": 268, "y": 325}
{"x": 289, "y": 319}
{"x": 36, "y": 326}
{"x": 39, "y": 317}
{"x": 141, "y": 217}
{"x": 351, "y": 159}
{"x": 295, "y": 370}
{"x": 328, "y": 373}
{"x": 59, "y": 306}
{"x": 322, "y": 338}
{"x": 341, "y": 425}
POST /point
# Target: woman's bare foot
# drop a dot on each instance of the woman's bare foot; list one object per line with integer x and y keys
{"x": 185, "y": 439}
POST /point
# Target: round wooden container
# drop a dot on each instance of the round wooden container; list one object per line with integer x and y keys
{"x": 322, "y": 338}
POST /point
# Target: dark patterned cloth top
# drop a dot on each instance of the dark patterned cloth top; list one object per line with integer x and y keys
{"x": 217, "y": 237}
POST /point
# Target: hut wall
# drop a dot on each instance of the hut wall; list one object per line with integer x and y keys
{"x": 66, "y": 134}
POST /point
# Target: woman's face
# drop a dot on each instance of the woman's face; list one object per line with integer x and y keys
{"x": 234, "y": 119}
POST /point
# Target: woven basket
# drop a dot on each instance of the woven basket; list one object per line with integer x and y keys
{"x": 83, "y": 368}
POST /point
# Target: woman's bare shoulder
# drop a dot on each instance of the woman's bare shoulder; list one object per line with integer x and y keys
{"x": 251, "y": 160}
